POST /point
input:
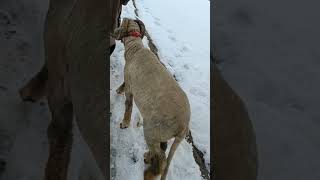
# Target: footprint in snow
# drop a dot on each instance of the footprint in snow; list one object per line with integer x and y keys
{"x": 5, "y": 18}
{"x": 3, "y": 88}
{"x": 169, "y": 31}
{"x": 178, "y": 55}
{"x": 172, "y": 38}
{"x": 184, "y": 49}
{"x": 197, "y": 92}
{"x": 157, "y": 23}
{"x": 8, "y": 34}
{"x": 147, "y": 10}
{"x": 133, "y": 154}
{"x": 186, "y": 67}
{"x": 22, "y": 47}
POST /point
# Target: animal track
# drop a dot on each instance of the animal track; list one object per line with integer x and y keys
{"x": 157, "y": 23}
{"x": 5, "y": 18}
{"x": 184, "y": 49}
{"x": 133, "y": 154}
{"x": 22, "y": 47}
{"x": 3, "y": 88}
{"x": 242, "y": 16}
{"x": 172, "y": 38}
{"x": 178, "y": 55}
{"x": 8, "y": 34}
{"x": 197, "y": 92}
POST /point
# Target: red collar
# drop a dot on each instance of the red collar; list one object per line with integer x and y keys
{"x": 135, "y": 34}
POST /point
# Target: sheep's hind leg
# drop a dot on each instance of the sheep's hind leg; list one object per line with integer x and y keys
{"x": 147, "y": 155}
{"x": 157, "y": 160}
{"x": 60, "y": 140}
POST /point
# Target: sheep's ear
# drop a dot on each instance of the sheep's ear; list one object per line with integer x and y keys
{"x": 118, "y": 33}
{"x": 125, "y": 22}
{"x": 142, "y": 27}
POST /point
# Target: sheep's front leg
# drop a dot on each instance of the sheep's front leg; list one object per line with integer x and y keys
{"x": 127, "y": 115}
{"x": 60, "y": 136}
{"x": 147, "y": 157}
{"x": 120, "y": 89}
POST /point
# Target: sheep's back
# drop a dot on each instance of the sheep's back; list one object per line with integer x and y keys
{"x": 156, "y": 93}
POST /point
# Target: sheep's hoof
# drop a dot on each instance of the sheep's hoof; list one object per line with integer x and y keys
{"x": 124, "y": 125}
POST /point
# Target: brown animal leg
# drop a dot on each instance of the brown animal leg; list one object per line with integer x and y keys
{"x": 60, "y": 141}
{"x": 158, "y": 161}
{"x": 173, "y": 148}
{"x": 234, "y": 142}
{"x": 120, "y": 89}
{"x": 127, "y": 115}
{"x": 88, "y": 85}
{"x": 36, "y": 88}
{"x": 147, "y": 157}
{"x": 93, "y": 129}
{"x": 90, "y": 112}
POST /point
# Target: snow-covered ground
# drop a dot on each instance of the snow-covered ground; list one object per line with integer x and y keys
{"x": 270, "y": 56}
{"x": 183, "y": 41}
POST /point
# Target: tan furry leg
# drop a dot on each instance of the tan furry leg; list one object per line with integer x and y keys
{"x": 147, "y": 157}
{"x": 157, "y": 162}
{"x": 127, "y": 115}
{"x": 60, "y": 142}
{"x": 149, "y": 176}
{"x": 173, "y": 148}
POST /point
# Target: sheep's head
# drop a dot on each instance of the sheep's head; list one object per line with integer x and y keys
{"x": 127, "y": 27}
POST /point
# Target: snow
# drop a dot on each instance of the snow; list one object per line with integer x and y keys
{"x": 270, "y": 56}
{"x": 183, "y": 41}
